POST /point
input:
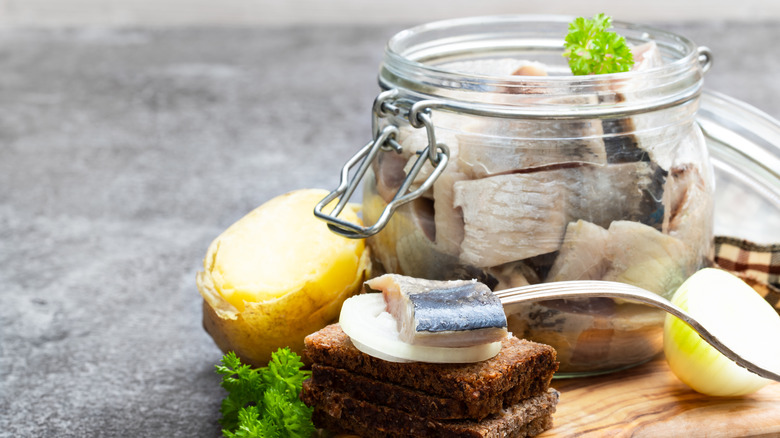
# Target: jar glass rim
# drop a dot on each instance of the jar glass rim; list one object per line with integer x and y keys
{"x": 419, "y": 59}
{"x": 400, "y": 50}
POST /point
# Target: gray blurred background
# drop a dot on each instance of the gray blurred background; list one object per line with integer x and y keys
{"x": 283, "y": 12}
{"x": 133, "y": 132}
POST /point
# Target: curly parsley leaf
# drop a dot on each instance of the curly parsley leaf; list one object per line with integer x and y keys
{"x": 592, "y": 50}
{"x": 243, "y": 385}
{"x": 289, "y": 415}
{"x": 251, "y": 425}
{"x": 263, "y": 402}
{"x": 284, "y": 374}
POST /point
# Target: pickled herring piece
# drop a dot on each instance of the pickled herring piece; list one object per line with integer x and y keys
{"x": 503, "y": 146}
{"x": 498, "y": 67}
{"x": 690, "y": 213}
{"x": 645, "y": 136}
{"x": 390, "y": 174}
{"x": 520, "y": 215}
{"x": 510, "y": 217}
{"x": 647, "y": 258}
{"x": 583, "y": 254}
{"x": 406, "y": 245}
{"x": 447, "y": 218}
{"x": 514, "y": 275}
{"x": 627, "y": 252}
{"x": 447, "y": 221}
{"x": 646, "y": 56}
{"x": 456, "y": 313}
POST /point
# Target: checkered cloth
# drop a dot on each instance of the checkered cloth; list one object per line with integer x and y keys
{"x": 758, "y": 265}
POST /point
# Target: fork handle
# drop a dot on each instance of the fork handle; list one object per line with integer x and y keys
{"x": 611, "y": 289}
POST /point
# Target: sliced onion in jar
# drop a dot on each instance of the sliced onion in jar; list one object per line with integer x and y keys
{"x": 732, "y": 311}
{"x": 373, "y": 331}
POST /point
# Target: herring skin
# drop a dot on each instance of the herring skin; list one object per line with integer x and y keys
{"x": 456, "y": 313}
{"x": 460, "y": 308}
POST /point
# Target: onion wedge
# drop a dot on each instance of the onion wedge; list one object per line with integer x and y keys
{"x": 738, "y": 316}
{"x": 372, "y": 330}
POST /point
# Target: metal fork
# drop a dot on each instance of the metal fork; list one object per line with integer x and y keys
{"x": 610, "y": 289}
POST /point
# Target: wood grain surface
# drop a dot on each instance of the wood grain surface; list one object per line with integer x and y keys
{"x": 649, "y": 401}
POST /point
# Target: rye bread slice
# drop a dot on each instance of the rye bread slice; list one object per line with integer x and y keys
{"x": 417, "y": 402}
{"x": 340, "y": 413}
{"x": 520, "y": 364}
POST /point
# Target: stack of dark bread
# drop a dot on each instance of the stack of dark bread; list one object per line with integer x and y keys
{"x": 355, "y": 393}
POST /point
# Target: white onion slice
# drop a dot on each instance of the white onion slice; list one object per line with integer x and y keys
{"x": 737, "y": 315}
{"x": 373, "y": 331}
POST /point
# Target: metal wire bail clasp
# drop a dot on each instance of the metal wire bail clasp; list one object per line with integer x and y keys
{"x": 385, "y": 139}
{"x": 704, "y": 58}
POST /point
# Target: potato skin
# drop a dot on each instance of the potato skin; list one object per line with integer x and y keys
{"x": 289, "y": 263}
{"x": 261, "y": 328}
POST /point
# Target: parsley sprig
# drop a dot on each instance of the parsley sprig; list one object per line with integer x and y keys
{"x": 263, "y": 402}
{"x": 592, "y": 50}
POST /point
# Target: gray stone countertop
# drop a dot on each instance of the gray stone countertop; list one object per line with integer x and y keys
{"x": 124, "y": 152}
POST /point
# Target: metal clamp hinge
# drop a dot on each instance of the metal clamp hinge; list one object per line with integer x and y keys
{"x": 419, "y": 116}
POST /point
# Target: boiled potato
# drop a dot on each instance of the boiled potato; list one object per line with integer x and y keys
{"x": 277, "y": 275}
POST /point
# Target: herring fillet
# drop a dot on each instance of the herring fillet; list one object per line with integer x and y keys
{"x": 648, "y": 136}
{"x": 456, "y": 313}
{"x": 690, "y": 217}
{"x": 646, "y": 56}
{"x": 447, "y": 221}
{"x": 520, "y": 215}
{"x": 583, "y": 254}
{"x": 645, "y": 257}
{"x": 508, "y": 145}
{"x": 510, "y": 217}
{"x": 627, "y": 252}
{"x": 447, "y": 217}
{"x": 422, "y": 237}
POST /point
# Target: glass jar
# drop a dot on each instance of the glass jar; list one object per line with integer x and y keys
{"x": 491, "y": 161}
{"x": 744, "y": 145}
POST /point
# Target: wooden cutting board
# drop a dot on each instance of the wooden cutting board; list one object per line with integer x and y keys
{"x": 649, "y": 401}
